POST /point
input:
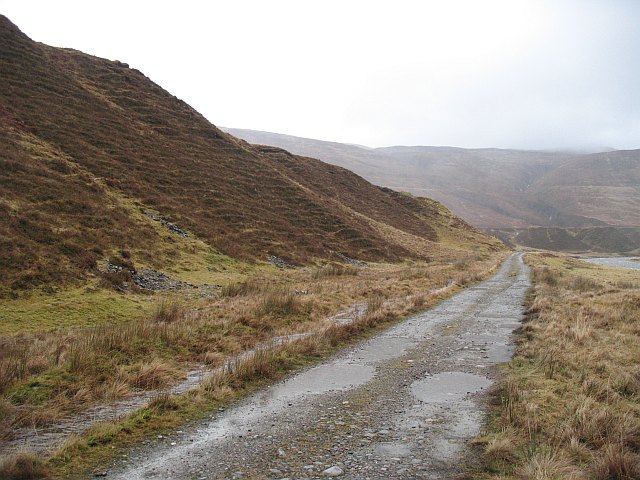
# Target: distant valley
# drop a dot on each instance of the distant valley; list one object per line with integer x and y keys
{"x": 574, "y": 202}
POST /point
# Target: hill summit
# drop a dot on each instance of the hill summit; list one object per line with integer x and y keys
{"x": 101, "y": 163}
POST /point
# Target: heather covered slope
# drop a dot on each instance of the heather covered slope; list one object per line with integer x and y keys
{"x": 89, "y": 145}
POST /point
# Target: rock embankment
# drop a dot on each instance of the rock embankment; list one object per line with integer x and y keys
{"x": 154, "y": 280}
{"x": 150, "y": 279}
{"x": 278, "y": 262}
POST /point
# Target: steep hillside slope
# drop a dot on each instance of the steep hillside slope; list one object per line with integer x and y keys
{"x": 94, "y": 153}
{"x": 603, "y": 186}
{"x": 493, "y": 187}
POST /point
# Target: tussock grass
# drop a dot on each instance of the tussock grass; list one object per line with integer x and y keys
{"x": 374, "y": 304}
{"x": 241, "y": 289}
{"x": 154, "y": 374}
{"x": 281, "y": 304}
{"x": 168, "y": 310}
{"x": 23, "y": 466}
{"x": 569, "y": 404}
{"x": 164, "y": 402}
{"x": 334, "y": 270}
{"x": 584, "y": 284}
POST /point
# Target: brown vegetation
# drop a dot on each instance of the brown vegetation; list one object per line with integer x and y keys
{"x": 569, "y": 406}
{"x": 555, "y": 189}
{"x": 95, "y": 152}
{"x": 23, "y": 466}
{"x": 238, "y": 377}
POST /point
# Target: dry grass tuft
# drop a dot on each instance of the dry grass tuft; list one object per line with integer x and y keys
{"x": 23, "y": 466}
{"x": 281, "y": 304}
{"x": 153, "y": 375}
{"x": 334, "y": 270}
{"x": 46, "y": 377}
{"x": 615, "y": 462}
{"x": 584, "y": 284}
{"x": 501, "y": 448}
{"x": 548, "y": 276}
{"x": 163, "y": 402}
{"x": 549, "y": 465}
{"x": 241, "y": 288}
{"x": 375, "y": 304}
{"x": 168, "y": 310}
{"x": 581, "y": 328}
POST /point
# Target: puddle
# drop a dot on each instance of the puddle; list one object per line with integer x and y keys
{"x": 319, "y": 381}
{"x": 445, "y": 387}
{"x": 324, "y": 378}
{"x": 385, "y": 348}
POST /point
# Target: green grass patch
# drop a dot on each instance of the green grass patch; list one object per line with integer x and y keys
{"x": 74, "y": 307}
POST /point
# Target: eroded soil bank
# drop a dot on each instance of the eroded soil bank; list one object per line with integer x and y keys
{"x": 400, "y": 405}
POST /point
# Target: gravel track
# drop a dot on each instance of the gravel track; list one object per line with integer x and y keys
{"x": 403, "y": 404}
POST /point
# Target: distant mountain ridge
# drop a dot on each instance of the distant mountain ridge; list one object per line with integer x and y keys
{"x": 494, "y": 188}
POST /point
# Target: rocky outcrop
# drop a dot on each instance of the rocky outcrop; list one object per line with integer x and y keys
{"x": 278, "y": 262}
{"x": 172, "y": 227}
{"x": 351, "y": 261}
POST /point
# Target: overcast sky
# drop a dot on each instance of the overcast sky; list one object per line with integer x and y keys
{"x": 520, "y": 74}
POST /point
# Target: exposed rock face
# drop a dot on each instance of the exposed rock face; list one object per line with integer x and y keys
{"x": 154, "y": 280}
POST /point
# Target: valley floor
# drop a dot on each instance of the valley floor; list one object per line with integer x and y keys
{"x": 49, "y": 379}
{"x": 403, "y": 404}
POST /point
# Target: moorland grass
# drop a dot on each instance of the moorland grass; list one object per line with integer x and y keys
{"x": 568, "y": 406}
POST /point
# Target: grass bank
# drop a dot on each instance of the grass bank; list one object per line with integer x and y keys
{"x": 46, "y": 377}
{"x": 568, "y": 406}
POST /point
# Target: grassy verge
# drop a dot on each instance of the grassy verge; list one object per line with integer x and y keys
{"x": 568, "y": 406}
{"x": 49, "y": 377}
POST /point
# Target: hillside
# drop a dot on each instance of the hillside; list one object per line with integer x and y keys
{"x": 604, "y": 186}
{"x": 607, "y": 239}
{"x": 98, "y": 161}
{"x": 495, "y": 188}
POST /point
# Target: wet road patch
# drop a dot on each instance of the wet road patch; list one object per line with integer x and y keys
{"x": 448, "y": 386}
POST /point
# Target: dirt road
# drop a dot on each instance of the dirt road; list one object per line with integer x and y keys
{"x": 400, "y": 405}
